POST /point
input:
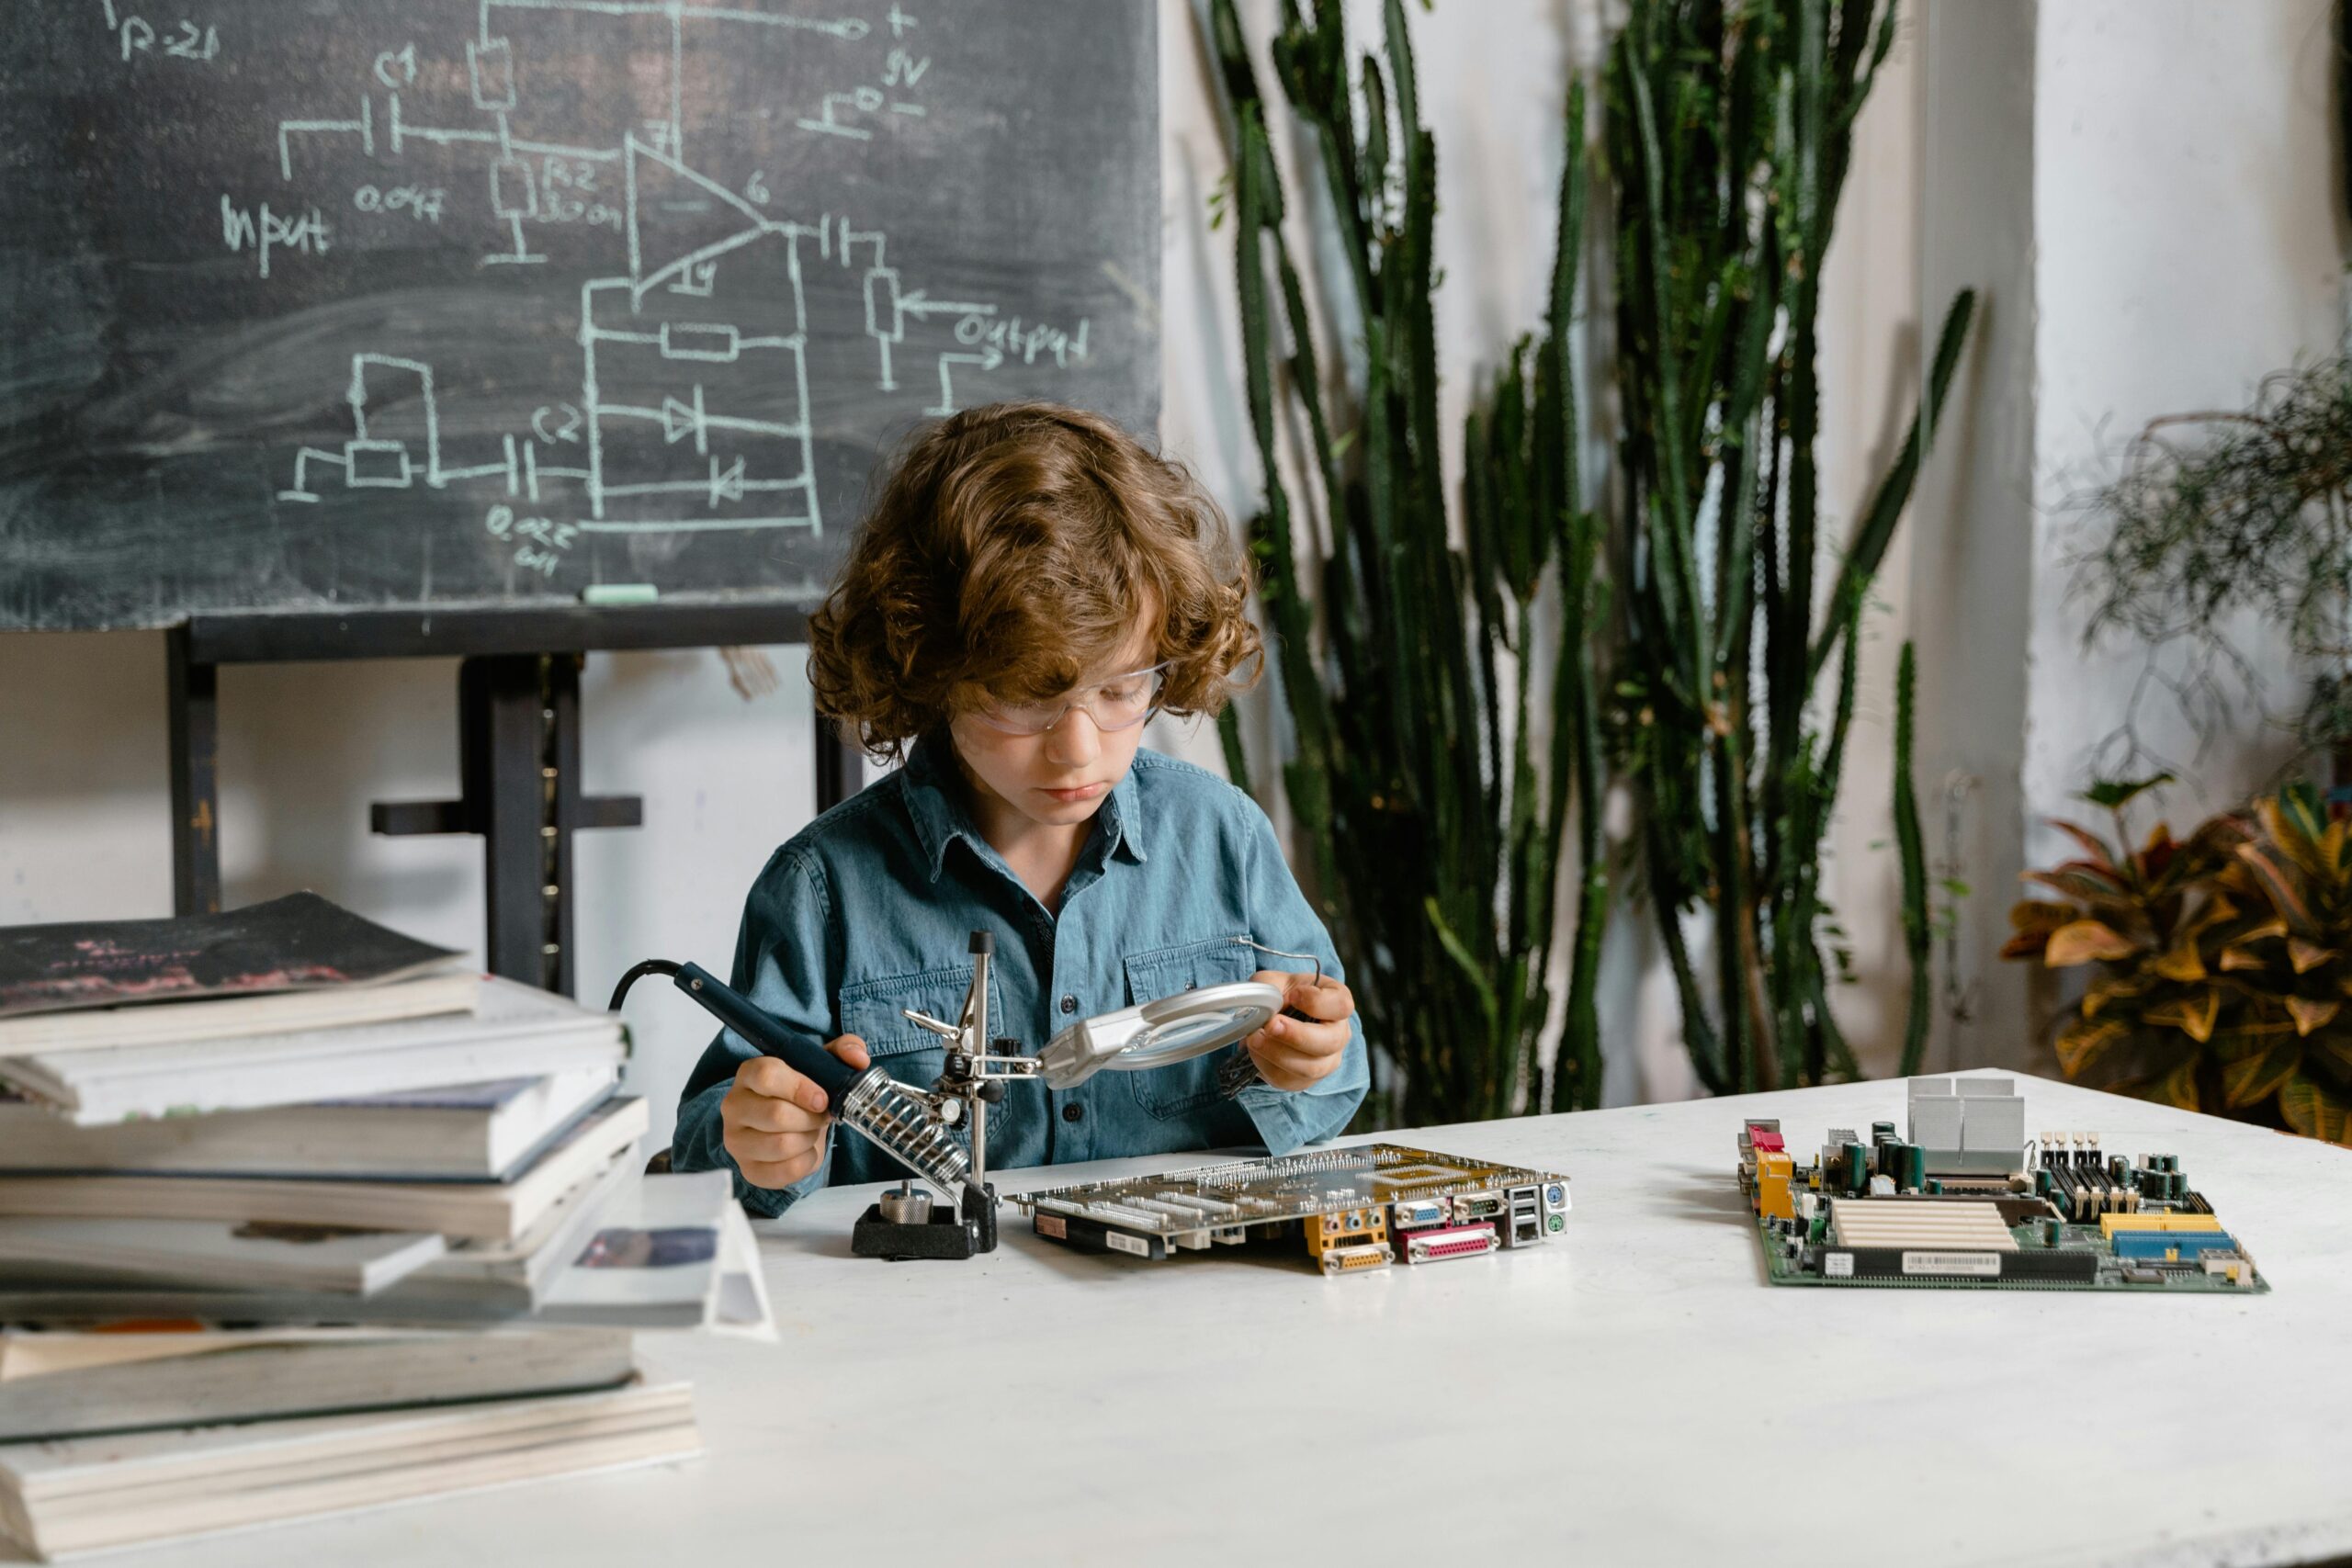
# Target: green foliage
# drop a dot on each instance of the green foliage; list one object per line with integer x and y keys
{"x": 2116, "y": 793}
{"x": 1918, "y": 932}
{"x": 1437, "y": 821}
{"x": 2214, "y": 514}
{"x": 1729, "y": 132}
{"x": 2222, "y": 964}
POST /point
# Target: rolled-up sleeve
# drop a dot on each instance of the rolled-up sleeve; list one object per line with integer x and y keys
{"x": 1280, "y": 916}
{"x": 782, "y": 964}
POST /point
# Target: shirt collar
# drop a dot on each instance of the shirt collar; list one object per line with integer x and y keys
{"x": 935, "y": 797}
{"x": 1122, "y": 817}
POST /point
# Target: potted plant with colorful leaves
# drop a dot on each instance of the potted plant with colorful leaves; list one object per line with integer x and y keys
{"x": 2221, "y": 965}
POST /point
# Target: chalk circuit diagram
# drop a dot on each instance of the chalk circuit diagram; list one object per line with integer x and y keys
{"x": 693, "y": 406}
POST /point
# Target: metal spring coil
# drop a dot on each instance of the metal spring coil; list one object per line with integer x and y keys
{"x": 880, "y": 1107}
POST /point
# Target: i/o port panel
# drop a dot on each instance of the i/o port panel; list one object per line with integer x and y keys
{"x": 1521, "y": 1222}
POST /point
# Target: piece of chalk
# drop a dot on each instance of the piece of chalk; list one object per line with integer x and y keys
{"x": 620, "y": 594}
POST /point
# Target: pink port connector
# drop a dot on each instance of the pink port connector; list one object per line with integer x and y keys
{"x": 1455, "y": 1241}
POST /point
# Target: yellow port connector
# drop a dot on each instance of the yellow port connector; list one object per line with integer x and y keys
{"x": 1773, "y": 1200}
{"x": 2109, "y": 1223}
{"x": 1327, "y": 1232}
{"x": 1352, "y": 1259}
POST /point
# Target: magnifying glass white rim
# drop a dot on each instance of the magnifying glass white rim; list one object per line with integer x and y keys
{"x": 1250, "y": 1003}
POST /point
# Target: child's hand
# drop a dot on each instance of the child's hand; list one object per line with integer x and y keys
{"x": 1293, "y": 1053}
{"x": 774, "y": 1118}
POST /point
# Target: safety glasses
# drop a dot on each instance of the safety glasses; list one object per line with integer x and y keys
{"x": 1120, "y": 703}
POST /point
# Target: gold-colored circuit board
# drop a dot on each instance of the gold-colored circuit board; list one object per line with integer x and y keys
{"x": 1272, "y": 1190}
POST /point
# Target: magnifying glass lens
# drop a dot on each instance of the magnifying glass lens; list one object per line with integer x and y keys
{"x": 1184, "y": 1033}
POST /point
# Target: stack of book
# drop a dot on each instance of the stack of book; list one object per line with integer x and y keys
{"x": 295, "y": 1217}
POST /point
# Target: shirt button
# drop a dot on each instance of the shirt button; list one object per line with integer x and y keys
{"x": 1073, "y": 1113}
{"x": 1069, "y": 1004}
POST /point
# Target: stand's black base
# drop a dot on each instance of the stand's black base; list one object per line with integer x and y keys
{"x": 945, "y": 1235}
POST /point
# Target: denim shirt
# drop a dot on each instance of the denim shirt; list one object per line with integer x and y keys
{"x": 869, "y": 910}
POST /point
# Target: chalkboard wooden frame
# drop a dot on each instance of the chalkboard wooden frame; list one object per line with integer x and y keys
{"x": 284, "y": 637}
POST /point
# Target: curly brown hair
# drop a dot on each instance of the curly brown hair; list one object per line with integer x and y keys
{"x": 1007, "y": 552}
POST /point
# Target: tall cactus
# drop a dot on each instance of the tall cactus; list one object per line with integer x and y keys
{"x": 1436, "y": 820}
{"x": 1729, "y": 129}
{"x": 1911, "y": 852}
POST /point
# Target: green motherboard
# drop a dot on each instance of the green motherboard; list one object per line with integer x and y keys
{"x": 1965, "y": 1200}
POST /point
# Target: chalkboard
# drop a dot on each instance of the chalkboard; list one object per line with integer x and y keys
{"x": 478, "y": 304}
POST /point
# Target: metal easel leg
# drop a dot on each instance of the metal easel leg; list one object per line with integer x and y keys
{"x": 519, "y": 760}
{"x": 840, "y": 773}
{"x": 191, "y": 698}
{"x": 503, "y": 720}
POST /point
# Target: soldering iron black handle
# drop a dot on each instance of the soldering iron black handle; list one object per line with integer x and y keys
{"x": 813, "y": 1061}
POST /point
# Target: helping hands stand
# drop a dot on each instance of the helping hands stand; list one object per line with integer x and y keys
{"x": 907, "y": 1223}
{"x": 916, "y": 1126}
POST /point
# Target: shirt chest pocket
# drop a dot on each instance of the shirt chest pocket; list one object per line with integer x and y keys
{"x": 1184, "y": 1088}
{"x": 875, "y": 1011}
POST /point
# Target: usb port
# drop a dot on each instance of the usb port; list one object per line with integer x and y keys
{"x": 1525, "y": 1229}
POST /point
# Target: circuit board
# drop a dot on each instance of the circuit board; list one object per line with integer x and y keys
{"x": 1967, "y": 1200}
{"x": 1348, "y": 1209}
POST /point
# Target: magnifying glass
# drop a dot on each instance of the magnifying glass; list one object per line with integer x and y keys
{"x": 1158, "y": 1033}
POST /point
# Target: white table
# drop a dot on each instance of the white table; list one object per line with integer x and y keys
{"x": 1636, "y": 1394}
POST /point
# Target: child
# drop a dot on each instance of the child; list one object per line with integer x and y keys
{"x": 1029, "y": 586}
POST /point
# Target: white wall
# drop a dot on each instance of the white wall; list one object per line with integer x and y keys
{"x": 1972, "y": 553}
{"x": 2167, "y": 202}
{"x": 2186, "y": 220}
{"x": 2146, "y": 189}
{"x": 1872, "y": 360}
{"x": 305, "y": 749}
